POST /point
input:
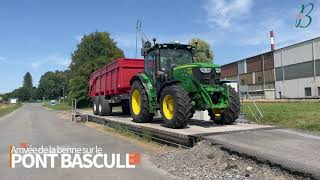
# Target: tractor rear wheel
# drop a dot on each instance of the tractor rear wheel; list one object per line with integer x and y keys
{"x": 175, "y": 106}
{"x": 231, "y": 113}
{"x": 138, "y": 102}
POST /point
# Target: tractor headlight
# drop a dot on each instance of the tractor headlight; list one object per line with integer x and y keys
{"x": 218, "y": 70}
{"x": 205, "y": 70}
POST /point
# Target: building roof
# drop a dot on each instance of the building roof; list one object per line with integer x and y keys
{"x": 247, "y": 58}
{"x": 274, "y": 50}
{"x": 298, "y": 43}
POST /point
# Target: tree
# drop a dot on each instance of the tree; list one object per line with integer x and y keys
{"x": 27, "y": 80}
{"x": 94, "y": 51}
{"x": 53, "y": 85}
{"x": 203, "y": 52}
{"x": 26, "y": 92}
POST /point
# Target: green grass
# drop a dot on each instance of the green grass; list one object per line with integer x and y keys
{"x": 8, "y": 108}
{"x": 301, "y": 115}
{"x": 59, "y": 107}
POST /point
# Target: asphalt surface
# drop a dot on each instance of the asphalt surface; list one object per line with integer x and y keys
{"x": 36, "y": 125}
{"x": 293, "y": 150}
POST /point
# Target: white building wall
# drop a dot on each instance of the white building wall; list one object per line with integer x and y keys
{"x": 297, "y": 54}
{"x": 316, "y": 45}
{"x": 13, "y": 101}
{"x": 316, "y": 88}
{"x": 277, "y": 58}
{"x": 295, "y": 88}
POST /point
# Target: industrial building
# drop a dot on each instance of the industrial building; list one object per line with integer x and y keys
{"x": 288, "y": 72}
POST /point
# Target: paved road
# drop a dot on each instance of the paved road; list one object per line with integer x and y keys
{"x": 288, "y": 148}
{"x": 38, "y": 126}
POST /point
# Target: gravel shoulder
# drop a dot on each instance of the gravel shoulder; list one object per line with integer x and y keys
{"x": 207, "y": 161}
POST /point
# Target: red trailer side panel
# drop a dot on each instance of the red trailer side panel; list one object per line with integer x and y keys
{"x": 113, "y": 79}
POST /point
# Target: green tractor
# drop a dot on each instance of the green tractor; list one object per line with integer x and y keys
{"x": 177, "y": 86}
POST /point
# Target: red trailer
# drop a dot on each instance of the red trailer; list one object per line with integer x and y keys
{"x": 110, "y": 85}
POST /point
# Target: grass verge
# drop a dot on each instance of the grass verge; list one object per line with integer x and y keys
{"x": 60, "y": 107}
{"x": 301, "y": 114}
{"x": 8, "y": 108}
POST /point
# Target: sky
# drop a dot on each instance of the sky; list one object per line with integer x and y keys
{"x": 37, "y": 36}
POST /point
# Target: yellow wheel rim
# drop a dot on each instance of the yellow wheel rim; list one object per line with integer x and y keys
{"x": 136, "y": 102}
{"x": 168, "y": 107}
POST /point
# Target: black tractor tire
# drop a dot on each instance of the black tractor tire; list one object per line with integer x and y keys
{"x": 211, "y": 114}
{"x": 104, "y": 107}
{"x": 95, "y": 104}
{"x": 143, "y": 115}
{"x": 182, "y": 107}
{"x": 231, "y": 113}
{"x": 125, "y": 107}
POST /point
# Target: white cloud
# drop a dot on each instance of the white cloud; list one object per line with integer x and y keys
{"x": 3, "y": 59}
{"x": 224, "y": 13}
{"x": 51, "y": 60}
{"x": 237, "y": 23}
{"x": 285, "y": 31}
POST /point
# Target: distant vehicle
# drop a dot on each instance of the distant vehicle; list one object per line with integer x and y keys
{"x": 53, "y": 102}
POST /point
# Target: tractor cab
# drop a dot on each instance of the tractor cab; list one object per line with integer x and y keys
{"x": 161, "y": 59}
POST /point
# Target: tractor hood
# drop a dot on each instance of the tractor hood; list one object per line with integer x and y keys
{"x": 197, "y": 65}
{"x": 205, "y": 73}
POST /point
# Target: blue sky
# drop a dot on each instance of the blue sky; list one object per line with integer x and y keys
{"x": 39, "y": 35}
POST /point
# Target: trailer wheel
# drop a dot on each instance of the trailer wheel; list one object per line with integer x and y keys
{"x": 125, "y": 107}
{"x": 104, "y": 107}
{"x": 176, "y": 107}
{"x": 95, "y": 102}
{"x": 139, "y": 107}
{"x": 231, "y": 113}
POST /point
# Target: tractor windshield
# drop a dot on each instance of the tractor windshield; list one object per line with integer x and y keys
{"x": 169, "y": 58}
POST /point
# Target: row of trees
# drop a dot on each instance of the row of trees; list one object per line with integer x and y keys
{"x": 51, "y": 85}
{"x": 94, "y": 51}
{"x": 26, "y": 92}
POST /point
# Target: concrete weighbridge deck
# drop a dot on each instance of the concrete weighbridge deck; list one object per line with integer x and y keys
{"x": 188, "y": 136}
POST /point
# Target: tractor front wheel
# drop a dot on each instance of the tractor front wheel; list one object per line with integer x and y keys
{"x": 176, "y": 107}
{"x": 138, "y": 102}
{"x": 229, "y": 114}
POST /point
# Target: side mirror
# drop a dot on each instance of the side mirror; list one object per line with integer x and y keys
{"x": 143, "y": 52}
{"x": 173, "y": 65}
{"x": 193, "y": 51}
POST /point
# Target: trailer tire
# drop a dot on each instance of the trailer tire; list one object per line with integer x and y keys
{"x": 175, "y": 106}
{"x": 231, "y": 113}
{"x": 104, "y": 107}
{"x": 125, "y": 107}
{"x": 95, "y": 105}
{"x": 139, "y": 104}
